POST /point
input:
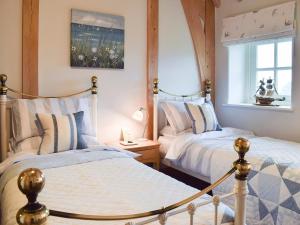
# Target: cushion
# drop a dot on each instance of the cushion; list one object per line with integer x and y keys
{"x": 24, "y": 119}
{"x": 177, "y": 115}
{"x": 60, "y": 132}
{"x": 203, "y": 117}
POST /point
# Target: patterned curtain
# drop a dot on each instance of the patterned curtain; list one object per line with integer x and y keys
{"x": 271, "y": 22}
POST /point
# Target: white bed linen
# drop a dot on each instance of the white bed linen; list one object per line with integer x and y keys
{"x": 186, "y": 151}
{"x": 165, "y": 142}
{"x": 110, "y": 186}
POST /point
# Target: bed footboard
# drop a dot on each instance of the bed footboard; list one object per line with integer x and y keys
{"x": 31, "y": 183}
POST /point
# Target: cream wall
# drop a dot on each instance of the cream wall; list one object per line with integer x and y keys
{"x": 177, "y": 66}
{"x": 11, "y": 41}
{"x": 277, "y": 124}
{"x": 121, "y": 92}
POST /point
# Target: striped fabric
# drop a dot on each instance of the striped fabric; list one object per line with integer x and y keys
{"x": 177, "y": 115}
{"x": 203, "y": 117}
{"x": 60, "y": 132}
{"x": 24, "y": 120}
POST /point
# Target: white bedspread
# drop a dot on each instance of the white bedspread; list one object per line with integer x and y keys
{"x": 112, "y": 185}
{"x": 187, "y": 151}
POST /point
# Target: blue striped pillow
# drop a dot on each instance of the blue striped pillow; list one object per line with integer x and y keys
{"x": 203, "y": 117}
{"x": 60, "y": 132}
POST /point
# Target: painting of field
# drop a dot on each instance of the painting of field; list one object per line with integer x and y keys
{"x": 97, "y": 40}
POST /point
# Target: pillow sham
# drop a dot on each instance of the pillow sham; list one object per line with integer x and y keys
{"x": 24, "y": 110}
{"x": 177, "y": 115}
{"x": 61, "y": 132}
{"x": 203, "y": 117}
{"x": 24, "y": 127}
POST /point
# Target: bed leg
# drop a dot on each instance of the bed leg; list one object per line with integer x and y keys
{"x": 31, "y": 182}
{"x": 243, "y": 167}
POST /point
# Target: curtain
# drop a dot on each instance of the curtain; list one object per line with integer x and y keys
{"x": 272, "y": 22}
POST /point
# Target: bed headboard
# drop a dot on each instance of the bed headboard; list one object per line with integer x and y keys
{"x": 5, "y": 109}
{"x": 159, "y": 94}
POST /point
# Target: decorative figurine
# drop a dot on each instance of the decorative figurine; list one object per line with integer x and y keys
{"x": 265, "y": 93}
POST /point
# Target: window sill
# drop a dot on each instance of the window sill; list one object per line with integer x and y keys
{"x": 254, "y": 107}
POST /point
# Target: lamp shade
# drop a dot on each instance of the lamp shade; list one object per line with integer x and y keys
{"x": 138, "y": 115}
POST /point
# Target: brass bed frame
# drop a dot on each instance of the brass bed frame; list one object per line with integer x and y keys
{"x": 31, "y": 181}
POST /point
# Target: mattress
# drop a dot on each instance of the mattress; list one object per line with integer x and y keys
{"x": 101, "y": 183}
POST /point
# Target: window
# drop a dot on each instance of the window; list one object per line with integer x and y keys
{"x": 252, "y": 62}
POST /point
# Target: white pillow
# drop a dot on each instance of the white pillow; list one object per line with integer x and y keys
{"x": 167, "y": 131}
{"x": 203, "y": 117}
{"x": 177, "y": 115}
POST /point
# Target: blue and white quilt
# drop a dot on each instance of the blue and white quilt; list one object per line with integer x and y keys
{"x": 273, "y": 183}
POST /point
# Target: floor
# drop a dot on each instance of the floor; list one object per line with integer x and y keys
{"x": 185, "y": 178}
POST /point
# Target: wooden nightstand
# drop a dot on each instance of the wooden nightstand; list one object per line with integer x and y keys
{"x": 149, "y": 151}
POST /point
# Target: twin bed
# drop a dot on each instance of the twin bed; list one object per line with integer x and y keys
{"x": 274, "y": 180}
{"x": 96, "y": 184}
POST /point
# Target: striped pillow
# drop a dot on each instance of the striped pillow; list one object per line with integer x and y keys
{"x": 177, "y": 115}
{"x": 60, "y": 132}
{"x": 24, "y": 120}
{"x": 203, "y": 117}
{"x": 24, "y": 110}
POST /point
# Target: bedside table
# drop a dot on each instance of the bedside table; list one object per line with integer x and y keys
{"x": 149, "y": 151}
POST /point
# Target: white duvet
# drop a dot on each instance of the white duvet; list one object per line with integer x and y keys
{"x": 187, "y": 150}
{"x": 111, "y": 185}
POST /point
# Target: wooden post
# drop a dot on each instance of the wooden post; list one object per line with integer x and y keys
{"x": 152, "y": 57}
{"x": 30, "y": 37}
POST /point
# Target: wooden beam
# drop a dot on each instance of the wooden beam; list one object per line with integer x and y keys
{"x": 217, "y": 3}
{"x": 152, "y": 57}
{"x": 210, "y": 44}
{"x": 195, "y": 14}
{"x": 30, "y": 25}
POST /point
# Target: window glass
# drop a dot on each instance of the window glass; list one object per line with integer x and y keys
{"x": 265, "y": 56}
{"x": 284, "y": 54}
{"x": 284, "y": 82}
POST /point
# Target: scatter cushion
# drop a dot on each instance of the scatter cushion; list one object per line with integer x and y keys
{"x": 203, "y": 117}
{"x": 24, "y": 120}
{"x": 60, "y": 132}
{"x": 177, "y": 115}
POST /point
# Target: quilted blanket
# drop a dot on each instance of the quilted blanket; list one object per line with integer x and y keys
{"x": 273, "y": 183}
{"x": 101, "y": 182}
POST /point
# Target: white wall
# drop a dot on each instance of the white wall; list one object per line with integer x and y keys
{"x": 277, "y": 124}
{"x": 177, "y": 66}
{"x": 11, "y": 41}
{"x": 121, "y": 92}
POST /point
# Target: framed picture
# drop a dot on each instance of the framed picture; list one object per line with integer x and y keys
{"x": 97, "y": 40}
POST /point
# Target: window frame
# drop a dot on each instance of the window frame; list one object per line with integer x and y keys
{"x": 254, "y": 69}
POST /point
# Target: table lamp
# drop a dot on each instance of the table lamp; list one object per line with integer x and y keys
{"x": 139, "y": 116}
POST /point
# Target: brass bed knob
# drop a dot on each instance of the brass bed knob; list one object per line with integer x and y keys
{"x": 243, "y": 167}
{"x": 31, "y": 182}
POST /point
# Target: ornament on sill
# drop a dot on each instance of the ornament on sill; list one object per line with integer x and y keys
{"x": 267, "y": 93}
